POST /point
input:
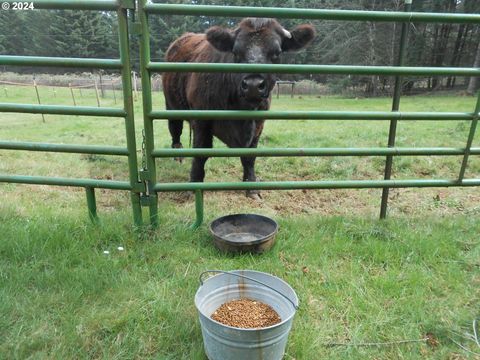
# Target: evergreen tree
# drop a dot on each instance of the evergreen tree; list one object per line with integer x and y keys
{"x": 65, "y": 33}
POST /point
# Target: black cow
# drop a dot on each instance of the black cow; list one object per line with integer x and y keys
{"x": 255, "y": 40}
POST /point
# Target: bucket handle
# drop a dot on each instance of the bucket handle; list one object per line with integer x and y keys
{"x": 248, "y": 278}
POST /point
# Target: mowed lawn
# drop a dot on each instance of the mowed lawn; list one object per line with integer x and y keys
{"x": 360, "y": 280}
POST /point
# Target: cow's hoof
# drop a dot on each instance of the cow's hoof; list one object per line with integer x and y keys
{"x": 178, "y": 146}
{"x": 254, "y": 194}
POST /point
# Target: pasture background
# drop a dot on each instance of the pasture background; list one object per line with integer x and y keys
{"x": 110, "y": 131}
{"x": 359, "y": 279}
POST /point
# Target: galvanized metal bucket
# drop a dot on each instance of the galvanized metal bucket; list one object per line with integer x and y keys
{"x": 222, "y": 342}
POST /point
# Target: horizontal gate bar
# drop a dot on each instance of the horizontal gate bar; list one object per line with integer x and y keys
{"x": 60, "y": 62}
{"x": 291, "y": 13}
{"x": 291, "y": 185}
{"x": 222, "y": 152}
{"x": 64, "y": 148}
{"x": 45, "y": 180}
{"x": 61, "y": 110}
{"x": 307, "y": 115}
{"x": 310, "y": 69}
{"x": 106, "y": 5}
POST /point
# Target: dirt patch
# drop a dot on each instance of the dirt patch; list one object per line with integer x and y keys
{"x": 246, "y": 314}
{"x": 432, "y": 340}
{"x": 433, "y": 202}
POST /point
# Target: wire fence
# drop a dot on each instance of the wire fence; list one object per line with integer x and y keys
{"x": 78, "y": 87}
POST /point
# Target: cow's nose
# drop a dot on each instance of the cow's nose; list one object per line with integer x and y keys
{"x": 254, "y": 86}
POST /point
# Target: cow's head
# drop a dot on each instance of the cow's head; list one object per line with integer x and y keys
{"x": 258, "y": 41}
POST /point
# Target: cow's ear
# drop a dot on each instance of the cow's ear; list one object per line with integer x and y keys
{"x": 221, "y": 39}
{"x": 300, "y": 37}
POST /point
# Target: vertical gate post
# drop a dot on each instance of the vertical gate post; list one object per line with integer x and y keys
{"x": 395, "y": 107}
{"x": 198, "y": 210}
{"x": 150, "y": 173}
{"x": 471, "y": 135}
{"x": 124, "y": 47}
{"x": 92, "y": 204}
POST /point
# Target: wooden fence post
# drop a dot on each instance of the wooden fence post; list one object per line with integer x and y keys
{"x": 114, "y": 96}
{"x": 96, "y": 93}
{"x": 101, "y": 85}
{"x": 135, "y": 85}
{"x": 38, "y": 97}
{"x": 73, "y": 96}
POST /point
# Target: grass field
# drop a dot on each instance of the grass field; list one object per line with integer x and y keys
{"x": 358, "y": 279}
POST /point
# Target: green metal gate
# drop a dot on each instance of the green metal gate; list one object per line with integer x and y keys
{"x": 123, "y": 64}
{"x": 143, "y": 184}
{"x": 148, "y": 67}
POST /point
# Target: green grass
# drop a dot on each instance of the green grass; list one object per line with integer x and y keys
{"x": 367, "y": 280}
{"x": 110, "y": 131}
{"x": 358, "y": 279}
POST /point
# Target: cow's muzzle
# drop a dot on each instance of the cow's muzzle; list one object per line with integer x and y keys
{"x": 254, "y": 87}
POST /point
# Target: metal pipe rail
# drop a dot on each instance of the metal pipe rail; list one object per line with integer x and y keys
{"x": 64, "y": 148}
{"x": 149, "y": 166}
{"x": 297, "y": 185}
{"x": 134, "y": 185}
{"x": 60, "y": 181}
{"x": 59, "y": 62}
{"x": 397, "y": 93}
{"x": 312, "y": 14}
{"x": 62, "y": 110}
{"x": 277, "y": 152}
{"x": 308, "y": 115}
{"x": 101, "y": 5}
{"x": 310, "y": 69}
{"x": 145, "y": 183}
{"x": 407, "y": 16}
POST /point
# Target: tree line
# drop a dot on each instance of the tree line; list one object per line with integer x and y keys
{"x": 94, "y": 34}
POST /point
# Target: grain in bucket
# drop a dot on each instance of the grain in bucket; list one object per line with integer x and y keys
{"x": 223, "y": 342}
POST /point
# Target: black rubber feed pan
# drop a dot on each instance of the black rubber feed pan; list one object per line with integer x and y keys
{"x": 244, "y": 233}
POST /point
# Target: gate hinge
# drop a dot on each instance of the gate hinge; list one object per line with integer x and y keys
{"x": 147, "y": 200}
{"x": 126, "y": 4}
{"x": 139, "y": 187}
{"x": 147, "y": 196}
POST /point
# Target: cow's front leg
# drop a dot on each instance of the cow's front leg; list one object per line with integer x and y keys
{"x": 248, "y": 163}
{"x": 202, "y": 138}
